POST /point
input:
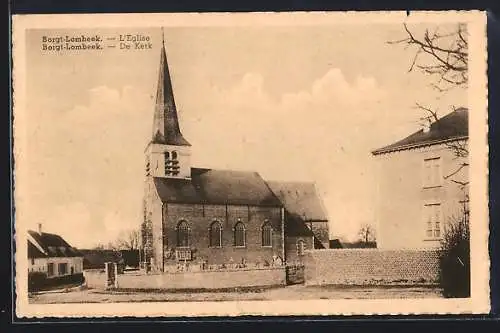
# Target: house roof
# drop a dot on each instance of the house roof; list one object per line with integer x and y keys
{"x": 452, "y": 126}
{"x": 93, "y": 259}
{"x": 300, "y": 199}
{"x": 217, "y": 187}
{"x": 34, "y": 252}
{"x": 52, "y": 245}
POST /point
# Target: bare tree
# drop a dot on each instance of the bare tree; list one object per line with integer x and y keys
{"x": 128, "y": 240}
{"x": 367, "y": 233}
{"x": 444, "y": 57}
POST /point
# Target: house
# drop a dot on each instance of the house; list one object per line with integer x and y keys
{"x": 218, "y": 216}
{"x": 97, "y": 258}
{"x": 50, "y": 255}
{"x": 422, "y": 184}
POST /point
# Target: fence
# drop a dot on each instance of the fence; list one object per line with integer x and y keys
{"x": 295, "y": 274}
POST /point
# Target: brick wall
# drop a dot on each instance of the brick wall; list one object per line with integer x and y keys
{"x": 199, "y": 219}
{"x": 193, "y": 280}
{"x": 371, "y": 266}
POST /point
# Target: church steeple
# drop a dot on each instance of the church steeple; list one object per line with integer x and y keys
{"x": 166, "y": 128}
{"x": 168, "y": 154}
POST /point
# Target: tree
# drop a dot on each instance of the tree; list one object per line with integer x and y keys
{"x": 444, "y": 57}
{"x": 455, "y": 256}
{"x": 128, "y": 240}
{"x": 367, "y": 233}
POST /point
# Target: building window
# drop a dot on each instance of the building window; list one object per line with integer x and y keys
{"x": 432, "y": 172}
{"x": 301, "y": 247}
{"x": 62, "y": 268}
{"x": 239, "y": 235}
{"x": 171, "y": 164}
{"x": 168, "y": 170}
{"x": 182, "y": 234}
{"x": 432, "y": 217}
{"x": 267, "y": 234}
{"x": 32, "y": 261}
{"x": 215, "y": 234}
{"x": 148, "y": 167}
{"x": 50, "y": 269}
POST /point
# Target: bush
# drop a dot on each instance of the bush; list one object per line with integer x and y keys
{"x": 38, "y": 281}
{"x": 455, "y": 258}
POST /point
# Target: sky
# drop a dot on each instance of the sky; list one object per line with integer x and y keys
{"x": 297, "y": 104}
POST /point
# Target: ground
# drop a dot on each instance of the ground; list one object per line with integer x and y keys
{"x": 295, "y": 292}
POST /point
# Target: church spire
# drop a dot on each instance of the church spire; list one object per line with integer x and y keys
{"x": 166, "y": 128}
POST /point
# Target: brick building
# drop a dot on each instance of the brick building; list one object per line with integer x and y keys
{"x": 218, "y": 216}
{"x": 422, "y": 184}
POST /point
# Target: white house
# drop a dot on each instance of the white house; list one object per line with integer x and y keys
{"x": 52, "y": 255}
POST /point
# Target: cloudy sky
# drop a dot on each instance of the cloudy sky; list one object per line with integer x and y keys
{"x": 306, "y": 103}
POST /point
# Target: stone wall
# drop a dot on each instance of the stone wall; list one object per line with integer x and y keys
{"x": 193, "y": 280}
{"x": 371, "y": 266}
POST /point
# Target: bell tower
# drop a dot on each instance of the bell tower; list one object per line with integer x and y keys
{"x": 168, "y": 154}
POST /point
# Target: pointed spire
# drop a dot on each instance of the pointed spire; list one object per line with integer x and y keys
{"x": 166, "y": 128}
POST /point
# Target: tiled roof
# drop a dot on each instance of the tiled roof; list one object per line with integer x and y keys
{"x": 34, "y": 252}
{"x": 452, "y": 126}
{"x": 53, "y": 245}
{"x": 217, "y": 187}
{"x": 300, "y": 199}
{"x": 93, "y": 259}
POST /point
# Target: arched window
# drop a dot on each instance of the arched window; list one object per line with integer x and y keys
{"x": 267, "y": 234}
{"x": 182, "y": 234}
{"x": 215, "y": 232}
{"x": 239, "y": 235}
{"x": 301, "y": 247}
{"x": 174, "y": 155}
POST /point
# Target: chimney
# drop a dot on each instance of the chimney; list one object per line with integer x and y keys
{"x": 40, "y": 228}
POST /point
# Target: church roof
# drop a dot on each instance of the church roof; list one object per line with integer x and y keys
{"x": 300, "y": 199}
{"x": 166, "y": 128}
{"x": 52, "y": 245}
{"x": 452, "y": 126}
{"x": 217, "y": 187}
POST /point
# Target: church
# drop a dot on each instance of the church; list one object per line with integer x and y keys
{"x": 219, "y": 217}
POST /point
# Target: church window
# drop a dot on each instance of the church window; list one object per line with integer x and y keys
{"x": 182, "y": 234}
{"x": 215, "y": 234}
{"x": 267, "y": 234}
{"x": 301, "y": 247}
{"x": 171, "y": 164}
{"x": 239, "y": 235}
{"x": 168, "y": 169}
{"x": 148, "y": 167}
